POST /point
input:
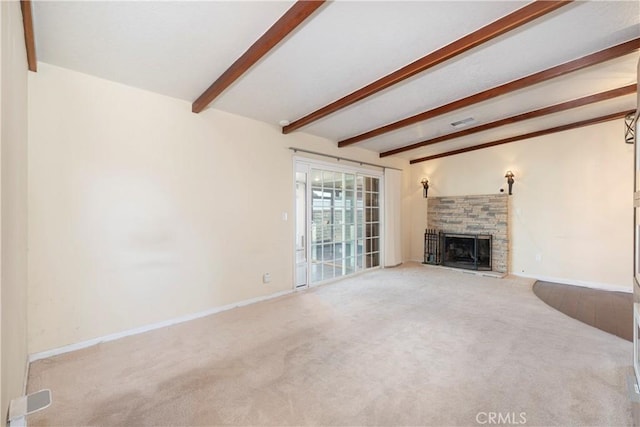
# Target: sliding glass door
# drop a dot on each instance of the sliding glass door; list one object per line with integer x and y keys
{"x": 343, "y": 208}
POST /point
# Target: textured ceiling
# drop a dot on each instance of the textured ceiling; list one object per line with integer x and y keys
{"x": 179, "y": 48}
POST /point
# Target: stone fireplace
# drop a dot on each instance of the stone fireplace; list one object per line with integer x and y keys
{"x": 483, "y": 216}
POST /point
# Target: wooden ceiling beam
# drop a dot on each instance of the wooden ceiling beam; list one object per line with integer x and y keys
{"x": 575, "y": 103}
{"x": 530, "y": 80}
{"x": 503, "y": 25}
{"x": 29, "y": 35}
{"x": 297, "y": 14}
{"x": 562, "y": 128}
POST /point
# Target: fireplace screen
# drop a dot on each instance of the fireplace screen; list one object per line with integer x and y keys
{"x": 469, "y": 251}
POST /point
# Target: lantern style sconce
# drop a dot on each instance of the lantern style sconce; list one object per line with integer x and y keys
{"x": 509, "y": 175}
{"x": 630, "y": 128}
{"x": 425, "y": 186}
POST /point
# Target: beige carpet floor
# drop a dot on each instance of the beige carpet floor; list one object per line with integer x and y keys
{"x": 412, "y": 345}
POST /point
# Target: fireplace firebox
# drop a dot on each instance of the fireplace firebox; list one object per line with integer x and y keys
{"x": 468, "y": 251}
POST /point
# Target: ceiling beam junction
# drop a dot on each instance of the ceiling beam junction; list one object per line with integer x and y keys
{"x": 295, "y": 16}
{"x": 521, "y": 83}
{"x": 563, "y": 106}
{"x": 501, "y": 26}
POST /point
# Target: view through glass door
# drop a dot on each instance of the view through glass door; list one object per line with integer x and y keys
{"x": 343, "y": 223}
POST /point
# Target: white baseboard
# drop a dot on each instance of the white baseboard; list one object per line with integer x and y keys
{"x": 583, "y": 283}
{"x": 394, "y": 266}
{"x": 111, "y": 337}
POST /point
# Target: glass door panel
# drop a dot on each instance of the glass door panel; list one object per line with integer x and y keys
{"x": 371, "y": 212}
{"x": 333, "y": 224}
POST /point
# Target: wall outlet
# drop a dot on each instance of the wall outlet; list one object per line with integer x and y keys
{"x": 538, "y": 257}
{"x": 266, "y": 278}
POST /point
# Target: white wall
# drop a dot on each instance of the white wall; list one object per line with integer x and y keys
{"x": 572, "y": 202}
{"x": 13, "y": 200}
{"x": 141, "y": 211}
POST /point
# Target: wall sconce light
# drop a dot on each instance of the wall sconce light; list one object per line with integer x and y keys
{"x": 425, "y": 186}
{"x": 509, "y": 175}
{"x": 630, "y": 128}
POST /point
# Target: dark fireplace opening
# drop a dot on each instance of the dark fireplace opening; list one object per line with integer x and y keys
{"x": 469, "y": 251}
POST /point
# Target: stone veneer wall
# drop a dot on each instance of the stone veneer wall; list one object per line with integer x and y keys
{"x": 487, "y": 214}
